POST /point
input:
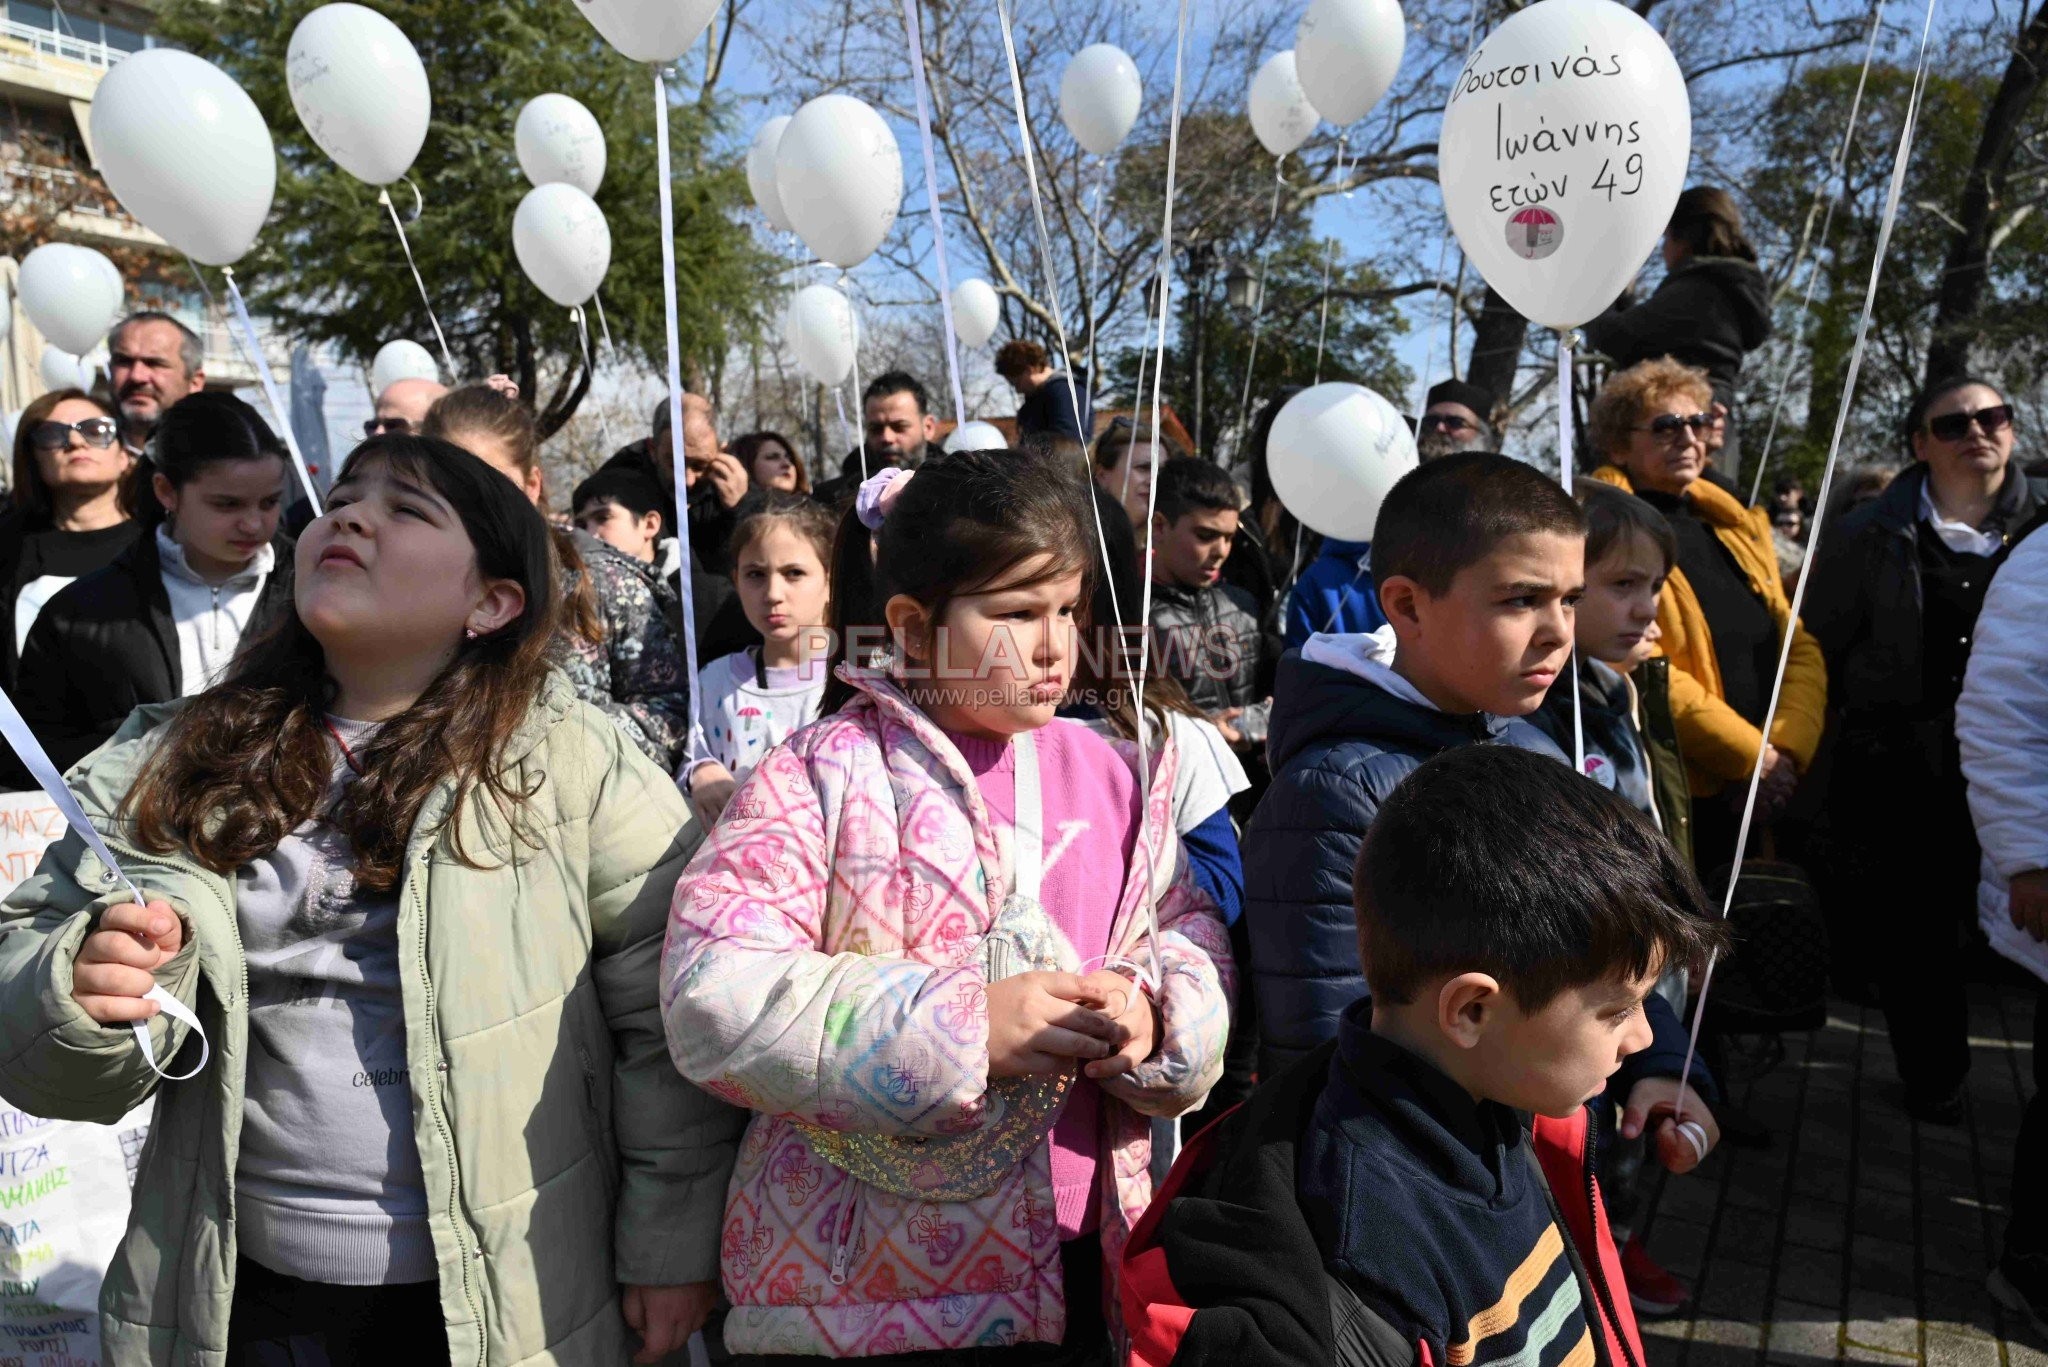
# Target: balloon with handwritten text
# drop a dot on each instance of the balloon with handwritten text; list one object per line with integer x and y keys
{"x": 1564, "y": 148}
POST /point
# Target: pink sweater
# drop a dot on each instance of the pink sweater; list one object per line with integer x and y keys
{"x": 1090, "y": 822}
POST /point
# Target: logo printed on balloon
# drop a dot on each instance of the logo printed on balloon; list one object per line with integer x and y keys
{"x": 1534, "y": 233}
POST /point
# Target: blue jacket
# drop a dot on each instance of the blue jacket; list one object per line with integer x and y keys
{"x": 1340, "y": 745}
{"x": 1334, "y": 594}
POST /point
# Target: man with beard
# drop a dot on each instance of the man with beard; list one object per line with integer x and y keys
{"x": 1455, "y": 419}
{"x": 154, "y": 361}
{"x": 898, "y": 429}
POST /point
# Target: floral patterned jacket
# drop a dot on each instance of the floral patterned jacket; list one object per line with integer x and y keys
{"x": 636, "y": 674}
{"x": 822, "y": 967}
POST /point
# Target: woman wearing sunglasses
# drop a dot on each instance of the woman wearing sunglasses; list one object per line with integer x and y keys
{"x": 1895, "y": 597}
{"x": 1723, "y": 612}
{"x": 68, "y": 515}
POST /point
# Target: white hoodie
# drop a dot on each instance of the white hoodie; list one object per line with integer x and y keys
{"x": 210, "y": 617}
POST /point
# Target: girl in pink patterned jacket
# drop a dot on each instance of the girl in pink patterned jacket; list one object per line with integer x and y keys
{"x": 938, "y": 946}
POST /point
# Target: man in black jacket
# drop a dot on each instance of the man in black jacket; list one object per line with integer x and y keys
{"x": 1894, "y": 602}
{"x": 1206, "y": 631}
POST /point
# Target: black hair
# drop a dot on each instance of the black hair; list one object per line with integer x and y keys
{"x": 1192, "y": 485}
{"x": 897, "y": 382}
{"x": 1934, "y": 393}
{"x": 191, "y": 351}
{"x": 964, "y": 524}
{"x": 1614, "y": 517}
{"x": 1495, "y": 860}
{"x": 1448, "y": 514}
{"x": 629, "y": 489}
{"x": 206, "y": 428}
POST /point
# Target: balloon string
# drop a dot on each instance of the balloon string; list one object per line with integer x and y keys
{"x": 694, "y": 743}
{"x": 1832, "y": 191}
{"x": 1443, "y": 251}
{"x": 1094, "y": 274}
{"x": 1893, "y": 194}
{"x": 1565, "y": 463}
{"x": 1052, "y": 289}
{"x": 1251, "y": 365}
{"x": 604, "y": 326}
{"x": 254, "y": 350}
{"x": 1323, "y": 328}
{"x": 384, "y": 198}
{"x": 1152, "y": 486}
{"x": 931, "y": 190}
{"x": 846, "y": 430}
{"x": 604, "y": 421}
{"x": 860, "y": 404}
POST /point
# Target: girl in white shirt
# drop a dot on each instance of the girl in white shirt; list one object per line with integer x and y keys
{"x": 755, "y": 698}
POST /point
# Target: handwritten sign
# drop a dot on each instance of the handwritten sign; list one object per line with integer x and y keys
{"x": 1564, "y": 146}
{"x": 63, "y": 1186}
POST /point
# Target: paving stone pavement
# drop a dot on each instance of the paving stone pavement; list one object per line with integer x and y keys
{"x": 1858, "y": 1236}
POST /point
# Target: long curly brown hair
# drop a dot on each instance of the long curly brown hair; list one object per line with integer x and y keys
{"x": 249, "y": 760}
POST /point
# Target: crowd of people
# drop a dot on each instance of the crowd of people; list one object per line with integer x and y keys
{"x": 849, "y": 998}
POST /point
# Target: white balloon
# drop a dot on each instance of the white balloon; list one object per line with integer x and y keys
{"x": 976, "y": 311}
{"x": 557, "y": 139}
{"x": 822, "y": 332}
{"x": 60, "y": 369}
{"x": 839, "y": 176}
{"x": 1334, "y": 452}
{"x": 1281, "y": 114}
{"x": 650, "y": 30}
{"x": 977, "y": 436}
{"x": 94, "y": 364}
{"x": 6, "y": 313}
{"x": 1100, "y": 94}
{"x": 185, "y": 151}
{"x": 72, "y": 294}
{"x": 1346, "y": 54}
{"x": 360, "y": 90}
{"x": 401, "y": 359}
{"x": 563, "y": 243}
{"x": 761, "y": 172}
{"x": 1564, "y": 148}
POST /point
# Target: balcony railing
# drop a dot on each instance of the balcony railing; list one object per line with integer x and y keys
{"x": 53, "y": 44}
{"x": 79, "y": 193}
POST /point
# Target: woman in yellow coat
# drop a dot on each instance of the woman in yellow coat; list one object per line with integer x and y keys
{"x": 1723, "y": 613}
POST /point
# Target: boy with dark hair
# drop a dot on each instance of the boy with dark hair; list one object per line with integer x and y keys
{"x": 1388, "y": 1200}
{"x": 621, "y": 509}
{"x": 1206, "y": 632}
{"x": 1478, "y": 561}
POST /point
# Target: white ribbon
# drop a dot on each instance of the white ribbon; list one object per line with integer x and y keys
{"x": 694, "y": 743}
{"x": 604, "y": 326}
{"x": 1052, "y": 289}
{"x": 44, "y": 770}
{"x": 254, "y": 350}
{"x": 1251, "y": 365}
{"x": 931, "y": 194}
{"x": 604, "y": 422}
{"x": 1094, "y": 281}
{"x": 384, "y": 198}
{"x": 1893, "y": 194}
{"x": 1180, "y": 41}
{"x": 1329, "y": 266}
{"x": 1832, "y": 192}
{"x": 1564, "y": 473}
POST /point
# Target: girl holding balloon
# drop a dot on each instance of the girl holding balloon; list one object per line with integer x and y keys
{"x": 411, "y": 892}
{"x": 941, "y": 952}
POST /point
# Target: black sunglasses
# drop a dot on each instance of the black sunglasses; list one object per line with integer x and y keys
{"x": 55, "y": 436}
{"x": 1669, "y": 425}
{"x": 1446, "y": 422}
{"x": 398, "y": 427}
{"x": 1956, "y": 426}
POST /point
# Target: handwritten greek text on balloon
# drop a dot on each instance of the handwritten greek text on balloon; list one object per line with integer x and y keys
{"x": 1564, "y": 145}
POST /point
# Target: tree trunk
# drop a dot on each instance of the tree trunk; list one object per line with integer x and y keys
{"x": 1969, "y": 253}
{"x": 1497, "y": 350}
